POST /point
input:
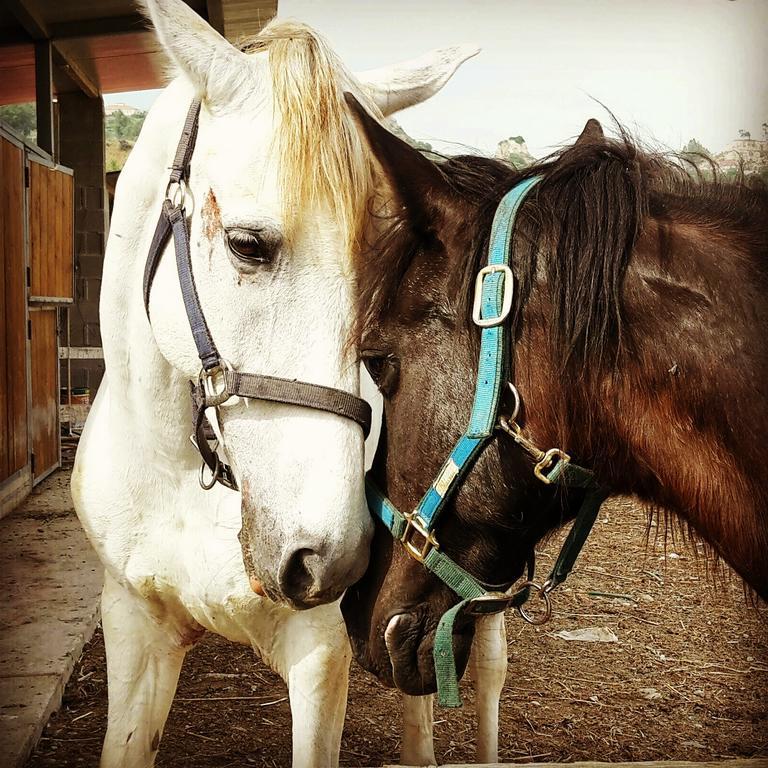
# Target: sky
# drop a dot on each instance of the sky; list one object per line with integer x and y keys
{"x": 670, "y": 70}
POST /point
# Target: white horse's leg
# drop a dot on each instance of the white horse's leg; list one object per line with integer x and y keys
{"x": 417, "y": 747}
{"x": 143, "y": 663}
{"x": 314, "y": 657}
{"x": 488, "y": 667}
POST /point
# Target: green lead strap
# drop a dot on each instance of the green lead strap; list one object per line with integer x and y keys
{"x": 445, "y": 663}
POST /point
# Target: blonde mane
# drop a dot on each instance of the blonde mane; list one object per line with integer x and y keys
{"x": 322, "y": 157}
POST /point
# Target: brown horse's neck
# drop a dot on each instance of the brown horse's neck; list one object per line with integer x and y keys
{"x": 652, "y": 448}
{"x": 680, "y": 420}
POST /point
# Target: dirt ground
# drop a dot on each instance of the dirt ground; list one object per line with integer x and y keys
{"x": 687, "y": 677}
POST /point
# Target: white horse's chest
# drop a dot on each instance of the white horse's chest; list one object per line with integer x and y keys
{"x": 171, "y": 543}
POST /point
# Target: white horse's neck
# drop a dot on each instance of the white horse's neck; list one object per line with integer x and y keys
{"x": 149, "y": 400}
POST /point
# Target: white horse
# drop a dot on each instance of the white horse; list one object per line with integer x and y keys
{"x": 277, "y": 200}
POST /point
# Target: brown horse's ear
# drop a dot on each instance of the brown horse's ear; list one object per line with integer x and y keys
{"x": 417, "y": 182}
{"x": 592, "y": 133}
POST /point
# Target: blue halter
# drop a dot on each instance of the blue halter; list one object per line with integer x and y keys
{"x": 493, "y": 301}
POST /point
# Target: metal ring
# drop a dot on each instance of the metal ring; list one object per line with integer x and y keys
{"x": 214, "y": 474}
{"x": 544, "y": 595}
{"x": 179, "y": 195}
{"x": 516, "y": 395}
{"x": 214, "y": 398}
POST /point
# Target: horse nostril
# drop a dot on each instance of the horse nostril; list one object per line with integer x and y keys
{"x": 298, "y": 575}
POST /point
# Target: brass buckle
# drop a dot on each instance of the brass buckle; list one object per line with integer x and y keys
{"x": 549, "y": 461}
{"x": 413, "y": 523}
{"x": 515, "y": 431}
{"x": 545, "y": 460}
{"x": 506, "y": 301}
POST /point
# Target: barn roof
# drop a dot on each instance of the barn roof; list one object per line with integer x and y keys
{"x": 100, "y": 46}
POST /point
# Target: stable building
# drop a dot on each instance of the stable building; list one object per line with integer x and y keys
{"x": 54, "y": 205}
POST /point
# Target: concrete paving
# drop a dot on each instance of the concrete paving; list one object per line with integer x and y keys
{"x": 50, "y": 582}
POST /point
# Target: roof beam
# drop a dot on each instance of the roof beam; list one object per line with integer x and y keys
{"x": 44, "y": 95}
{"x": 78, "y": 72}
{"x": 111, "y": 25}
{"x": 28, "y": 18}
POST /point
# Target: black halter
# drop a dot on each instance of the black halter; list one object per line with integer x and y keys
{"x": 218, "y": 381}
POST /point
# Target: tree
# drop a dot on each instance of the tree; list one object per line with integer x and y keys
{"x": 118, "y": 125}
{"x": 21, "y": 118}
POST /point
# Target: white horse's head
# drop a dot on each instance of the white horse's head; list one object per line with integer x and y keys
{"x": 280, "y": 183}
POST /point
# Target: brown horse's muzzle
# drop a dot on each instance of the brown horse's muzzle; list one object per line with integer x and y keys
{"x": 398, "y": 650}
{"x": 409, "y": 639}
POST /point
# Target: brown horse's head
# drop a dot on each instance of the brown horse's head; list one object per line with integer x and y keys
{"x": 597, "y": 355}
{"x": 421, "y": 351}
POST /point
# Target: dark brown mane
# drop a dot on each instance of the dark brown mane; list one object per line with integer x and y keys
{"x": 583, "y": 221}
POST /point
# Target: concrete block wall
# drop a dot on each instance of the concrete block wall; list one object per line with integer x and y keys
{"x": 82, "y": 147}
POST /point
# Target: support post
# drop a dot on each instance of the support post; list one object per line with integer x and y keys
{"x": 44, "y": 95}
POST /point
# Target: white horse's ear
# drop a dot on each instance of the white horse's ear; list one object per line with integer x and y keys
{"x": 411, "y": 82}
{"x": 215, "y": 67}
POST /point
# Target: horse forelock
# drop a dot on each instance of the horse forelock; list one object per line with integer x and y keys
{"x": 322, "y": 158}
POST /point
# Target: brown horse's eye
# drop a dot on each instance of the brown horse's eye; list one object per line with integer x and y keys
{"x": 383, "y": 368}
{"x": 253, "y": 247}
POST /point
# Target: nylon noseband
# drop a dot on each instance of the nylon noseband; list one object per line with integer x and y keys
{"x": 416, "y": 530}
{"x": 218, "y": 382}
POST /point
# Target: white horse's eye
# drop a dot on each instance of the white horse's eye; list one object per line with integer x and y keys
{"x": 253, "y": 246}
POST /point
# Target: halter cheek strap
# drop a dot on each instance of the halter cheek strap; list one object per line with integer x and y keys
{"x": 416, "y": 530}
{"x": 218, "y": 382}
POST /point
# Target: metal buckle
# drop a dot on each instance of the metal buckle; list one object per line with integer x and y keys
{"x": 179, "y": 195}
{"x": 545, "y": 460}
{"x": 515, "y": 431}
{"x": 506, "y": 301}
{"x": 549, "y": 461}
{"x": 414, "y": 523}
{"x": 214, "y": 397}
{"x": 543, "y": 590}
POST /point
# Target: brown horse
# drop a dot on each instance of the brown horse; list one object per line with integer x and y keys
{"x": 639, "y": 333}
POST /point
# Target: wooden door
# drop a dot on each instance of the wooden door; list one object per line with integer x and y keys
{"x": 51, "y": 250}
{"x": 50, "y": 205}
{"x": 44, "y": 351}
{"x": 14, "y": 448}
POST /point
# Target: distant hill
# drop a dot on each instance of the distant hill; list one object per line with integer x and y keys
{"x": 744, "y": 155}
{"x": 514, "y": 150}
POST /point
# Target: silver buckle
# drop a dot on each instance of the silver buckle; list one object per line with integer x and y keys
{"x": 176, "y": 192}
{"x": 506, "y": 301}
{"x": 214, "y": 384}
